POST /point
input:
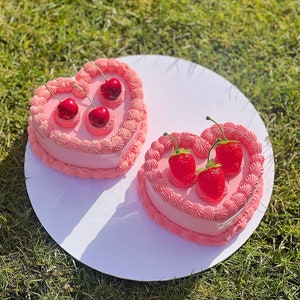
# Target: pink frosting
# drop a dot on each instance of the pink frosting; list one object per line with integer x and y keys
{"x": 182, "y": 210}
{"x": 80, "y": 150}
{"x": 85, "y": 172}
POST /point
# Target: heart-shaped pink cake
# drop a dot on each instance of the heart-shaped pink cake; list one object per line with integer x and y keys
{"x": 182, "y": 209}
{"x": 101, "y": 134}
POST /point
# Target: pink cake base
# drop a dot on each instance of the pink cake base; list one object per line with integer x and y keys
{"x": 84, "y": 172}
{"x": 217, "y": 240}
{"x": 76, "y": 147}
{"x": 183, "y": 210}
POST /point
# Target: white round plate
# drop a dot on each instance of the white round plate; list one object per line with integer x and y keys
{"x": 102, "y": 224}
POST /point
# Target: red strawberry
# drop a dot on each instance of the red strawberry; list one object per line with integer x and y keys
{"x": 182, "y": 164}
{"x": 229, "y": 153}
{"x": 211, "y": 179}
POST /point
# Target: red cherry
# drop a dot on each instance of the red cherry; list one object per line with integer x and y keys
{"x": 67, "y": 109}
{"x": 99, "y": 116}
{"x": 111, "y": 89}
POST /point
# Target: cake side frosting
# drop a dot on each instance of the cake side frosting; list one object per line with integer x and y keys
{"x": 222, "y": 238}
{"x": 84, "y": 172}
{"x": 82, "y": 150}
{"x": 184, "y": 207}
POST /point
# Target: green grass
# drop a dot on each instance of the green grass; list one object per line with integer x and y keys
{"x": 255, "y": 44}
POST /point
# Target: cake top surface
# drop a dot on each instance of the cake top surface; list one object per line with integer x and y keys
{"x": 125, "y": 112}
{"x": 239, "y": 188}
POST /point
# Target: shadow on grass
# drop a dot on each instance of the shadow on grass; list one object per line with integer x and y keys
{"x": 105, "y": 286}
{"x": 20, "y": 229}
{"x": 15, "y": 209}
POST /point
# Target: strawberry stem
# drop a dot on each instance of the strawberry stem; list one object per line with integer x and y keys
{"x": 83, "y": 91}
{"x": 52, "y": 93}
{"x": 221, "y": 129}
{"x": 101, "y": 72}
{"x": 174, "y": 140}
{"x": 208, "y": 164}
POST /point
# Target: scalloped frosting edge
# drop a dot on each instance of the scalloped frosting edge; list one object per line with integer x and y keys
{"x": 248, "y": 194}
{"x": 83, "y": 172}
{"x": 200, "y": 146}
{"x": 237, "y": 225}
{"x": 135, "y": 115}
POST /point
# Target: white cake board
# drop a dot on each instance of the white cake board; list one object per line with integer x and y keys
{"x": 102, "y": 224}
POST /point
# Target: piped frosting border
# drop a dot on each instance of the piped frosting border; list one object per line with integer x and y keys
{"x": 132, "y": 130}
{"x": 247, "y": 196}
{"x": 84, "y": 172}
{"x": 136, "y": 113}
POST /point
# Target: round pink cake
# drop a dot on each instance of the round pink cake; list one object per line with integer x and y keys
{"x": 76, "y": 147}
{"x": 181, "y": 209}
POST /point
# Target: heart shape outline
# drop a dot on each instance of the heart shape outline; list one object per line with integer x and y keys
{"x": 130, "y": 133}
{"x": 240, "y": 203}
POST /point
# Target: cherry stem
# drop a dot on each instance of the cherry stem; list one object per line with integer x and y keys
{"x": 174, "y": 140}
{"x": 83, "y": 91}
{"x": 52, "y": 93}
{"x": 212, "y": 147}
{"x": 221, "y": 129}
{"x": 101, "y": 72}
